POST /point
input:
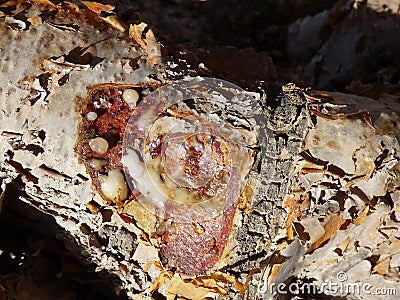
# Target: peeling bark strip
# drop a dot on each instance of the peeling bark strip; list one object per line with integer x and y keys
{"x": 145, "y": 37}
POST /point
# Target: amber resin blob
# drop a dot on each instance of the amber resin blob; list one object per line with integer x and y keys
{"x": 187, "y": 151}
{"x": 183, "y": 160}
{"x": 183, "y": 152}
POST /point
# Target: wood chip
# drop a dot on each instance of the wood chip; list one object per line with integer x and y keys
{"x": 149, "y": 43}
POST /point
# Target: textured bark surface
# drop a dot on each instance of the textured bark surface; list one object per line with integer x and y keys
{"x": 326, "y": 193}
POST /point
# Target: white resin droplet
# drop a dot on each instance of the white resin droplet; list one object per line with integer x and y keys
{"x": 98, "y": 145}
{"x": 97, "y": 164}
{"x": 132, "y": 162}
{"x": 131, "y": 97}
{"x": 114, "y": 186}
{"x": 91, "y": 116}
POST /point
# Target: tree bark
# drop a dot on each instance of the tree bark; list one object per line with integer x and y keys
{"x": 326, "y": 194}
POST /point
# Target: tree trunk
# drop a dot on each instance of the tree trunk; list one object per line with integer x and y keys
{"x": 325, "y": 203}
